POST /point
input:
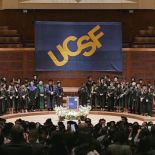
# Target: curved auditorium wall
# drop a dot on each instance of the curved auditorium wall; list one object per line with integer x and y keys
{"x": 21, "y": 62}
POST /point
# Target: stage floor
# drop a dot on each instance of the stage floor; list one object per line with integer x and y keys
{"x": 41, "y": 117}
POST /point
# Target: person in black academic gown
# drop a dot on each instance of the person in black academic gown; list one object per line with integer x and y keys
{"x": 102, "y": 92}
{"x": 32, "y": 91}
{"x": 59, "y": 94}
{"x": 110, "y": 97}
{"x": 50, "y": 92}
{"x": 83, "y": 95}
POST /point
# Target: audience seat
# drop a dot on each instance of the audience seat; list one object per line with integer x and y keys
{"x": 145, "y": 38}
{"x": 9, "y": 38}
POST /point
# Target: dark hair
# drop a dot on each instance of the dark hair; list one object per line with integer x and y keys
{"x": 17, "y": 132}
{"x": 102, "y": 119}
{"x": 120, "y": 136}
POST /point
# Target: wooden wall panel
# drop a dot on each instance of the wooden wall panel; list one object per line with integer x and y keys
{"x": 20, "y": 62}
{"x": 131, "y": 23}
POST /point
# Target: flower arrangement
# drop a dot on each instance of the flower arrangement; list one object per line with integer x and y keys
{"x": 68, "y": 114}
{"x": 61, "y": 112}
{"x": 84, "y": 110}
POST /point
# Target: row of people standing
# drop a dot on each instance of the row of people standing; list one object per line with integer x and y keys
{"x": 31, "y": 96}
{"x": 114, "y": 95}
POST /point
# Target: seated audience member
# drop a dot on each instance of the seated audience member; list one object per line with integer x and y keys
{"x": 119, "y": 147}
{"x": 37, "y": 149}
{"x": 57, "y": 145}
{"x": 17, "y": 146}
{"x": 99, "y": 127}
{"x": 87, "y": 149}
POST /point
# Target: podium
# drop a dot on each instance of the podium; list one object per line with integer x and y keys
{"x": 72, "y": 102}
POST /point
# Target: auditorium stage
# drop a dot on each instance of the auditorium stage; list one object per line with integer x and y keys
{"x": 41, "y": 116}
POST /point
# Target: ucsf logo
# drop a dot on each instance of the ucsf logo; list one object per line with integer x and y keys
{"x": 90, "y": 40}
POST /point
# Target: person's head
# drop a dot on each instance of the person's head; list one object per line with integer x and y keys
{"x": 111, "y": 84}
{"x": 144, "y": 124}
{"x": 17, "y": 85}
{"x": 91, "y": 148}
{"x": 23, "y": 86}
{"x": 144, "y": 88}
{"x": 89, "y": 78}
{"x": 50, "y": 82}
{"x": 4, "y": 86}
{"x": 144, "y": 132}
{"x": 112, "y": 123}
{"x": 138, "y": 85}
{"x": 124, "y": 119}
{"x": 102, "y": 80}
{"x": 17, "y": 132}
{"x": 133, "y": 79}
{"x": 94, "y": 84}
{"x": 33, "y": 136}
{"x": 133, "y": 83}
{"x": 31, "y": 83}
{"x": 38, "y": 125}
{"x": 106, "y": 77}
{"x": 115, "y": 79}
{"x": 94, "y": 152}
{"x": 59, "y": 83}
{"x": 48, "y": 122}
{"x": 26, "y": 81}
{"x": 3, "y": 80}
{"x": 72, "y": 126}
{"x": 135, "y": 126}
{"x": 88, "y": 121}
{"x": 102, "y": 121}
{"x": 35, "y": 77}
{"x": 40, "y": 82}
{"x": 141, "y": 81}
{"x": 119, "y": 85}
{"x": 61, "y": 126}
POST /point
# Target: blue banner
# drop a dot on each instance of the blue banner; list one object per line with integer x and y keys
{"x": 80, "y": 46}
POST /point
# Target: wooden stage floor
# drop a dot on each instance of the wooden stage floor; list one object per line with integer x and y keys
{"x": 41, "y": 116}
